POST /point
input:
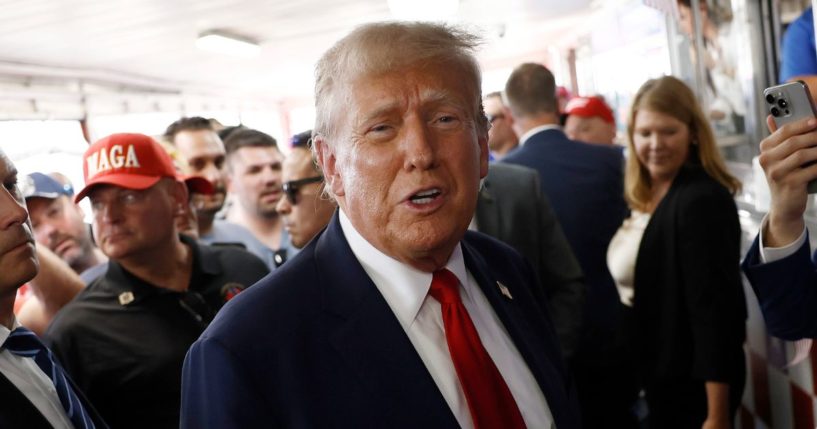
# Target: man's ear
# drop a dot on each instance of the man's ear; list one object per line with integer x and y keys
{"x": 508, "y": 116}
{"x": 328, "y": 164}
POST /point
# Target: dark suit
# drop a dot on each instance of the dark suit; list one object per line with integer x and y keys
{"x": 17, "y": 411}
{"x": 512, "y": 208}
{"x": 787, "y": 291}
{"x": 689, "y": 306}
{"x": 585, "y": 186}
{"x": 316, "y": 345}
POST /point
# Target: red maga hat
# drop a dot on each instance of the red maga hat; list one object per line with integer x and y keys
{"x": 197, "y": 184}
{"x": 133, "y": 161}
{"x": 588, "y": 107}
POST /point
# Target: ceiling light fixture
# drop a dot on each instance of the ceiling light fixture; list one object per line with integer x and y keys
{"x": 223, "y": 42}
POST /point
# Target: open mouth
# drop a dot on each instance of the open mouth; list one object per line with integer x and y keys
{"x": 425, "y": 197}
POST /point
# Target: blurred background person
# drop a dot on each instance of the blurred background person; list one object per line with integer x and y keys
{"x": 55, "y": 285}
{"x": 727, "y": 108}
{"x": 584, "y": 184}
{"x": 199, "y": 151}
{"x": 590, "y": 120}
{"x": 254, "y": 180}
{"x": 676, "y": 262}
{"x": 186, "y": 219}
{"x": 798, "y": 59}
{"x": 58, "y": 225}
{"x": 305, "y": 209}
{"x": 501, "y": 137}
{"x": 512, "y": 208}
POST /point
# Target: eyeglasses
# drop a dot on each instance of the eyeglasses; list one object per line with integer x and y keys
{"x": 492, "y": 118}
{"x": 292, "y": 187}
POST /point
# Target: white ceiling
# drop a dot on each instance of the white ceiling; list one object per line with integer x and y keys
{"x": 151, "y": 42}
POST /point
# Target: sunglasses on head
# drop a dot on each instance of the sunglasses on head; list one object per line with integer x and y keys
{"x": 292, "y": 187}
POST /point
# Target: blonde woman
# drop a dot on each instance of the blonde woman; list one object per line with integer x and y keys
{"x": 676, "y": 262}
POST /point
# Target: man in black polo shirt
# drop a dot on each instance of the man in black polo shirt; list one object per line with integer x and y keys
{"x": 123, "y": 339}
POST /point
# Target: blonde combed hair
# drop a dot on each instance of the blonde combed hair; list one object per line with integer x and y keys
{"x": 390, "y": 47}
{"x": 670, "y": 96}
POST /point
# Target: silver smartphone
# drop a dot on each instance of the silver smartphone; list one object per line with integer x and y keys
{"x": 791, "y": 102}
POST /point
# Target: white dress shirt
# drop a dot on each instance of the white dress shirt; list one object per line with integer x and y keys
{"x": 24, "y": 373}
{"x": 528, "y": 134}
{"x": 771, "y": 254}
{"x": 405, "y": 289}
{"x": 622, "y": 254}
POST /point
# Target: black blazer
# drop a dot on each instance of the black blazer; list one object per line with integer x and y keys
{"x": 689, "y": 303}
{"x": 17, "y": 411}
{"x": 512, "y": 208}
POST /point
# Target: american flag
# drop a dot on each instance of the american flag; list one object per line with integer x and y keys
{"x": 669, "y": 7}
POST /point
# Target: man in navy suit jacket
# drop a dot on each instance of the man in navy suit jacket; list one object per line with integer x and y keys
{"x": 585, "y": 185}
{"x": 349, "y": 332}
{"x": 778, "y": 265}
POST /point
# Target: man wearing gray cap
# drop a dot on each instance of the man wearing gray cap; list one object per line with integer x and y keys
{"x": 58, "y": 224}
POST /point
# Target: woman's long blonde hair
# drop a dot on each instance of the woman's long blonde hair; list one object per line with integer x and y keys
{"x": 670, "y": 96}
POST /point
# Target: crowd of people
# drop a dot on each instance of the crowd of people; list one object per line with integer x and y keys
{"x": 425, "y": 257}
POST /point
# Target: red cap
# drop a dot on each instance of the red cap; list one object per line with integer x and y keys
{"x": 197, "y": 184}
{"x": 588, "y": 107}
{"x": 133, "y": 161}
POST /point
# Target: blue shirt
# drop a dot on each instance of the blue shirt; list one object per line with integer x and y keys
{"x": 799, "y": 53}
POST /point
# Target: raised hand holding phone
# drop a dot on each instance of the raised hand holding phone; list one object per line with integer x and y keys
{"x": 788, "y": 159}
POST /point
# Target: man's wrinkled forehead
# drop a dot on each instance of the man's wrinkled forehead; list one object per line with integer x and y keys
{"x": 394, "y": 90}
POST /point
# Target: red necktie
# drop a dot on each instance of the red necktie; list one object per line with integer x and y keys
{"x": 489, "y": 399}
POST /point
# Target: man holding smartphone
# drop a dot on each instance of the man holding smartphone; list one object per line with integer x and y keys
{"x": 779, "y": 265}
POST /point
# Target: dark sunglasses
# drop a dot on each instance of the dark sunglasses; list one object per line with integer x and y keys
{"x": 292, "y": 187}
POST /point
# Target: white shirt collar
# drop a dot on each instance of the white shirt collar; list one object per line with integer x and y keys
{"x": 5, "y": 332}
{"x": 404, "y": 287}
{"x": 535, "y": 130}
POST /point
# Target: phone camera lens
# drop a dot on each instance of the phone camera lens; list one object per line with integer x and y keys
{"x": 782, "y": 103}
{"x": 770, "y": 98}
{"x": 775, "y": 112}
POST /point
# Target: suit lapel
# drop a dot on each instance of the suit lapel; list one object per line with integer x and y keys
{"x": 367, "y": 335}
{"x": 540, "y": 361}
{"x": 16, "y": 410}
{"x": 487, "y": 213}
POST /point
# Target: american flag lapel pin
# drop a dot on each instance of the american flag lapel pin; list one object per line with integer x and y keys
{"x": 504, "y": 290}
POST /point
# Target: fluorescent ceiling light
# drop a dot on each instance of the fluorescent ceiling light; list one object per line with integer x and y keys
{"x": 228, "y": 44}
{"x": 424, "y": 10}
